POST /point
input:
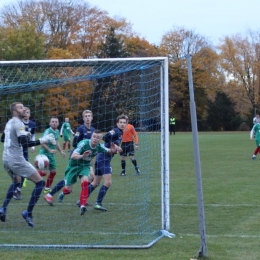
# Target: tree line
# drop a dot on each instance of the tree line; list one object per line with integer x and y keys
{"x": 226, "y": 76}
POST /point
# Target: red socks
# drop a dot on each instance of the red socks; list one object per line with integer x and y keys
{"x": 84, "y": 193}
{"x": 50, "y": 179}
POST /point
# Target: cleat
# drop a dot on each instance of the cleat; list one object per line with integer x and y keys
{"x": 24, "y": 182}
{"x": 46, "y": 191}
{"x": 83, "y": 209}
{"x": 2, "y": 215}
{"x": 254, "y": 157}
{"x": 78, "y": 204}
{"x": 49, "y": 199}
{"x": 17, "y": 195}
{"x": 137, "y": 170}
{"x": 122, "y": 173}
{"x": 99, "y": 207}
{"x": 61, "y": 197}
{"x": 29, "y": 220}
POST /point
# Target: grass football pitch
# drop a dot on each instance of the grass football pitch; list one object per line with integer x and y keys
{"x": 231, "y": 202}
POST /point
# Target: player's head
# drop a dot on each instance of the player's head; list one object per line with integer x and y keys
{"x": 87, "y": 116}
{"x": 54, "y": 123}
{"x": 127, "y": 119}
{"x": 17, "y": 109}
{"x": 27, "y": 113}
{"x": 96, "y": 137}
{"x": 121, "y": 121}
{"x": 67, "y": 119}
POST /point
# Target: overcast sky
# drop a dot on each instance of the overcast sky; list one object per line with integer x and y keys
{"x": 210, "y": 18}
{"x": 213, "y": 19}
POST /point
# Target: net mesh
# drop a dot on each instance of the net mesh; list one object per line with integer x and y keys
{"x": 109, "y": 88}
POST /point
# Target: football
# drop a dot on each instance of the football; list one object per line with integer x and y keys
{"x": 41, "y": 162}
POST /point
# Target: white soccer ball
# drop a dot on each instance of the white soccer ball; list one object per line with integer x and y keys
{"x": 41, "y": 162}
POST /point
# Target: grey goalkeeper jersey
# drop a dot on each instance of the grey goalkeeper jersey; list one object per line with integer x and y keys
{"x": 12, "y": 149}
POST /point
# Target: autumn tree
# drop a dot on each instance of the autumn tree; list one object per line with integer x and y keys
{"x": 240, "y": 59}
{"x": 176, "y": 44}
{"x": 139, "y": 47}
{"x": 21, "y": 43}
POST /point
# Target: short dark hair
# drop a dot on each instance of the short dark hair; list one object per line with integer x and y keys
{"x": 97, "y": 131}
{"x": 13, "y": 106}
{"x": 121, "y": 117}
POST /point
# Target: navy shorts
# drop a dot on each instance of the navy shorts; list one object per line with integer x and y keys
{"x": 103, "y": 167}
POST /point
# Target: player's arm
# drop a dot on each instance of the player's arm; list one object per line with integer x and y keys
{"x": 25, "y": 142}
{"x": 77, "y": 156}
{"x": 61, "y": 130}
{"x": 59, "y": 149}
{"x": 115, "y": 149}
{"x": 78, "y": 137}
{"x": 33, "y": 137}
{"x": 107, "y": 138}
{"x": 135, "y": 136}
{"x": 252, "y": 132}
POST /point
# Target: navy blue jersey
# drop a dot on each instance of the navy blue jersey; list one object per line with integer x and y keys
{"x": 113, "y": 136}
{"x": 30, "y": 126}
{"x": 82, "y": 132}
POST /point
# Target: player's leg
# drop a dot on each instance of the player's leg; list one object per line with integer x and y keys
{"x": 131, "y": 152}
{"x": 123, "y": 166}
{"x": 64, "y": 143}
{"x": 49, "y": 196}
{"x": 10, "y": 192}
{"x": 69, "y": 145}
{"x": 67, "y": 183}
{"x": 94, "y": 183}
{"x": 39, "y": 185}
{"x": 18, "y": 191}
{"x": 123, "y": 158}
{"x": 257, "y": 150}
{"x": 84, "y": 190}
{"x": 52, "y": 174}
{"x": 103, "y": 190}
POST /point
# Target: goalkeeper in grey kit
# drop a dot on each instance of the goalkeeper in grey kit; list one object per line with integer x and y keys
{"x": 16, "y": 165}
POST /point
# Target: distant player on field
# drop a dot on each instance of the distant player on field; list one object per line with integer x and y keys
{"x": 16, "y": 165}
{"x": 50, "y": 150}
{"x": 255, "y": 134}
{"x": 79, "y": 166}
{"x": 128, "y": 139}
{"x": 65, "y": 131}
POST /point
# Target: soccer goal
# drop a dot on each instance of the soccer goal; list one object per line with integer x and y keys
{"x": 137, "y": 205}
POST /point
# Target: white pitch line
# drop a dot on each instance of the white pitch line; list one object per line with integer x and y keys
{"x": 220, "y": 235}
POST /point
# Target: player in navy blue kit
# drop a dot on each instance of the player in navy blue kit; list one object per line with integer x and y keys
{"x": 103, "y": 162}
{"x": 84, "y": 131}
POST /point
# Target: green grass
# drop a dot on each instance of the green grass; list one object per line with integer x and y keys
{"x": 232, "y": 212}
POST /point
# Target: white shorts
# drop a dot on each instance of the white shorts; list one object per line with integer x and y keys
{"x": 22, "y": 168}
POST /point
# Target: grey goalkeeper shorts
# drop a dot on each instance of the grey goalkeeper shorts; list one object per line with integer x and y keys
{"x": 21, "y": 168}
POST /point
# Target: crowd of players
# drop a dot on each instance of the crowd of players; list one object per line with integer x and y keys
{"x": 19, "y": 136}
